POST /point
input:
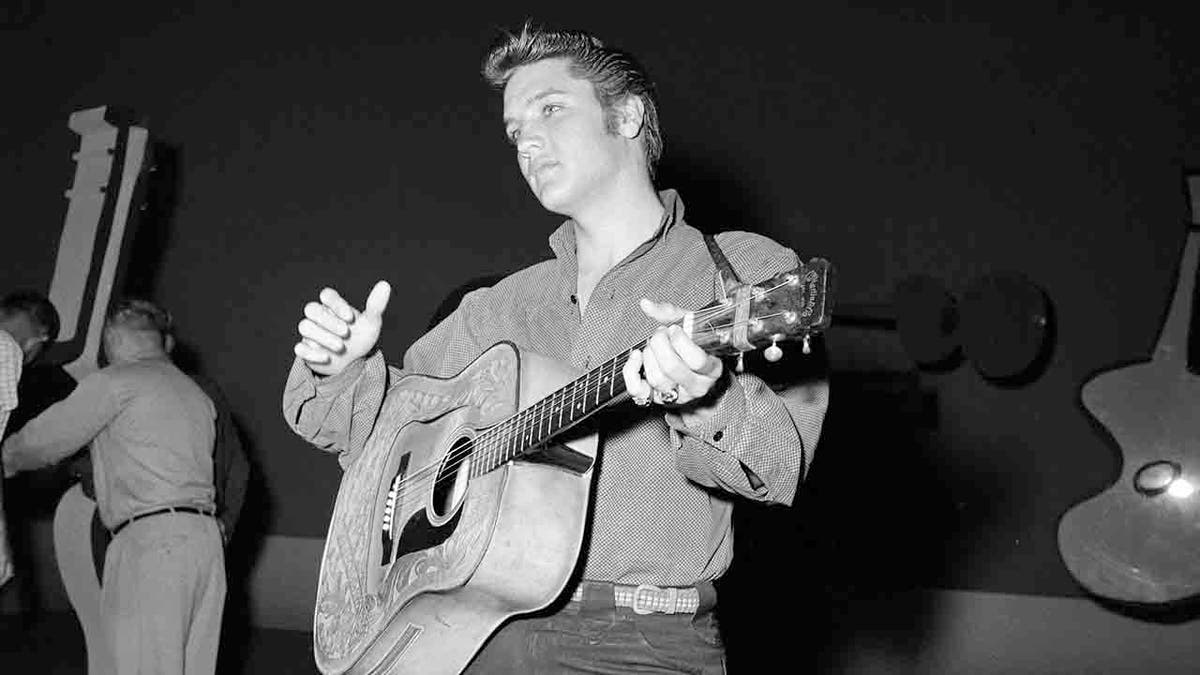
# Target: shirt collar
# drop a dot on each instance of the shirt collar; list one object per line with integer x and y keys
{"x": 562, "y": 240}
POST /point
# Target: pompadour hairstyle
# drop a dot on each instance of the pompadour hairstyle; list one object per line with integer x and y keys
{"x": 614, "y": 74}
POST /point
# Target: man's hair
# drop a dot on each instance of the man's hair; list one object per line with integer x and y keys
{"x": 37, "y": 307}
{"x": 614, "y": 74}
{"x": 141, "y": 315}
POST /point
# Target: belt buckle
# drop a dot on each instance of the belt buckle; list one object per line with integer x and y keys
{"x": 652, "y": 591}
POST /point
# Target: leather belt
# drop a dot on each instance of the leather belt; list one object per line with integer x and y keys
{"x": 165, "y": 509}
{"x": 647, "y": 599}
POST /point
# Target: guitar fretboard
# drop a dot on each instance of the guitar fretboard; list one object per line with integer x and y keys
{"x": 531, "y": 428}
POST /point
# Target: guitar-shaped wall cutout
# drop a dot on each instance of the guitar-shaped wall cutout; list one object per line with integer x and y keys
{"x": 468, "y": 503}
{"x": 105, "y": 198}
{"x": 1139, "y": 540}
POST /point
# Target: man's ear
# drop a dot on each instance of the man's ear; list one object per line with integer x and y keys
{"x": 168, "y": 343}
{"x": 631, "y": 116}
{"x": 33, "y": 347}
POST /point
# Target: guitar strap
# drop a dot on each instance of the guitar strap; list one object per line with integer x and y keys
{"x": 732, "y": 289}
{"x": 729, "y": 278}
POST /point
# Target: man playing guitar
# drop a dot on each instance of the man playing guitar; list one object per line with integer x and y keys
{"x": 582, "y": 118}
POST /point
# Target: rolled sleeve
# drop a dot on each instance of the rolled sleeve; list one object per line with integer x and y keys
{"x": 65, "y": 426}
{"x": 757, "y": 443}
{"x": 336, "y": 413}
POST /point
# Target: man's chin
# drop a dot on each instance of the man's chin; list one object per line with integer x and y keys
{"x": 552, "y": 200}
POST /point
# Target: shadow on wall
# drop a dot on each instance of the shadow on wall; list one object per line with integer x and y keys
{"x": 153, "y": 234}
{"x": 870, "y": 519}
{"x": 245, "y": 546}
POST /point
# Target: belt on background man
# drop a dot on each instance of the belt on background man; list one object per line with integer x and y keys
{"x": 166, "y": 509}
{"x": 647, "y": 599}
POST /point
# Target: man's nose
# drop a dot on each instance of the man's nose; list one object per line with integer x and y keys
{"x": 531, "y": 138}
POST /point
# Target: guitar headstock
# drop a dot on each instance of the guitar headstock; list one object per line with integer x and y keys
{"x": 789, "y": 306}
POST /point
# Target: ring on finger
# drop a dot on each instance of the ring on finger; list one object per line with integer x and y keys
{"x": 670, "y": 395}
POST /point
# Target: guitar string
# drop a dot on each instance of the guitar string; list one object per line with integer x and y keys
{"x": 529, "y": 424}
{"x": 495, "y": 438}
{"x": 527, "y": 418}
{"x": 498, "y": 436}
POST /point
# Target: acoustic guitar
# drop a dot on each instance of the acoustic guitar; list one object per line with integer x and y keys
{"x": 467, "y": 504}
{"x": 1138, "y": 542}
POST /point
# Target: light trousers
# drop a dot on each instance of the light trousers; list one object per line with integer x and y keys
{"x": 163, "y": 594}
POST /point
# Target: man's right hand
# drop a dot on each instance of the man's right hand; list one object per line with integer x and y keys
{"x": 333, "y": 333}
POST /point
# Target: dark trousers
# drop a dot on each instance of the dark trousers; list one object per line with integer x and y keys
{"x": 594, "y": 636}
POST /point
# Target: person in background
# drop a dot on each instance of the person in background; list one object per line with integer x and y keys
{"x": 28, "y": 322}
{"x": 152, "y": 431}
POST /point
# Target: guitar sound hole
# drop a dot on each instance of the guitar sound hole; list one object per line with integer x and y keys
{"x": 450, "y": 486}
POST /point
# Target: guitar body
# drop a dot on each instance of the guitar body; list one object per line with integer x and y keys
{"x": 463, "y": 557}
{"x": 1139, "y": 540}
{"x": 73, "y": 553}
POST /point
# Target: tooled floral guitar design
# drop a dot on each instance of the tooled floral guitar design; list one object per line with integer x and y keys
{"x": 467, "y": 505}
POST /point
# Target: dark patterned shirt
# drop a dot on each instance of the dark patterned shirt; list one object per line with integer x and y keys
{"x": 661, "y": 509}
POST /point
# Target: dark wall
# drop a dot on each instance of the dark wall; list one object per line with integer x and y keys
{"x": 349, "y": 144}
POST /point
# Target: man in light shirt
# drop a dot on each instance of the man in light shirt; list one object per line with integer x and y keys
{"x": 151, "y": 430}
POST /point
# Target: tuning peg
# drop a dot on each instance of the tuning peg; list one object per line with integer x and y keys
{"x": 774, "y": 353}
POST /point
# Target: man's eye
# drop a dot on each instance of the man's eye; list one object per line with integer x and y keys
{"x": 551, "y": 108}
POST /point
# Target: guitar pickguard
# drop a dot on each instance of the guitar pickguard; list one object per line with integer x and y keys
{"x": 419, "y": 534}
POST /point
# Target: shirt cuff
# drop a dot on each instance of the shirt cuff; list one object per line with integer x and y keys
{"x": 333, "y": 384}
{"x": 719, "y": 429}
{"x": 304, "y": 384}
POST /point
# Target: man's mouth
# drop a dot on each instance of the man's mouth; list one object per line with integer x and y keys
{"x": 540, "y": 167}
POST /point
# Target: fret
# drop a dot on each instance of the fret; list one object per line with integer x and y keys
{"x": 512, "y": 439}
{"x": 560, "y": 407}
{"x": 535, "y": 426}
{"x": 580, "y": 399}
{"x": 543, "y": 421}
{"x": 599, "y": 381}
{"x": 544, "y": 418}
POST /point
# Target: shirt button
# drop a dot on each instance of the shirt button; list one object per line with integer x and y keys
{"x": 718, "y": 436}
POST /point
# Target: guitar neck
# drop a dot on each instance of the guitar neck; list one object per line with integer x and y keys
{"x": 1178, "y": 334}
{"x": 563, "y": 409}
{"x": 788, "y": 306}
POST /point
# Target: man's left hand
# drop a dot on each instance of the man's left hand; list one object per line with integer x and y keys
{"x": 671, "y": 370}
